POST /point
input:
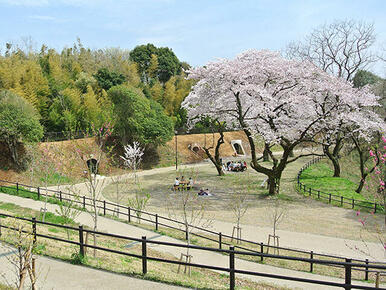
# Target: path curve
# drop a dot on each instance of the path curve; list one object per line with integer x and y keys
{"x": 209, "y": 258}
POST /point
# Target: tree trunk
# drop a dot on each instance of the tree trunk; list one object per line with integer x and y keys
{"x": 216, "y": 163}
{"x": 266, "y": 153}
{"x": 216, "y": 159}
{"x": 362, "y": 160}
{"x": 334, "y": 159}
{"x": 336, "y": 165}
{"x": 12, "y": 147}
{"x": 291, "y": 153}
{"x": 273, "y": 184}
{"x": 360, "y": 186}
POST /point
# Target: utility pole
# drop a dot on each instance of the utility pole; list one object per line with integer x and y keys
{"x": 175, "y": 132}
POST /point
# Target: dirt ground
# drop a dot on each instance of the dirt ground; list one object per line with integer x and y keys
{"x": 303, "y": 214}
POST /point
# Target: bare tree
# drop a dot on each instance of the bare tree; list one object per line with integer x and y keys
{"x": 139, "y": 201}
{"x": 22, "y": 259}
{"x": 277, "y": 214}
{"x": 91, "y": 159}
{"x": 340, "y": 48}
{"x": 46, "y": 166}
{"x": 238, "y": 203}
{"x": 220, "y": 127}
{"x": 122, "y": 184}
{"x": 190, "y": 209}
{"x": 69, "y": 211}
{"x": 133, "y": 159}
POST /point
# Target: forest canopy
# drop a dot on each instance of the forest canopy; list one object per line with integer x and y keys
{"x": 69, "y": 88}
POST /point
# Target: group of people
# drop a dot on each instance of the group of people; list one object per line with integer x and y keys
{"x": 204, "y": 192}
{"x": 237, "y": 166}
{"x": 182, "y": 183}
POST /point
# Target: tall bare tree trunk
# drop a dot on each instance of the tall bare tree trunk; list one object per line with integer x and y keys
{"x": 216, "y": 158}
{"x": 334, "y": 157}
{"x": 265, "y": 152}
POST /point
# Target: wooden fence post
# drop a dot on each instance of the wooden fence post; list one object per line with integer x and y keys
{"x": 353, "y": 203}
{"x": 17, "y": 187}
{"x": 220, "y": 240}
{"x": 128, "y": 214}
{"x": 329, "y": 198}
{"x": 144, "y": 255}
{"x": 232, "y": 268}
{"x": 375, "y": 207}
{"x": 377, "y": 279}
{"x": 261, "y": 251}
{"x": 312, "y": 263}
{"x": 104, "y": 207}
{"x": 367, "y": 270}
{"x": 34, "y": 230}
{"x": 156, "y": 222}
{"x": 318, "y": 194}
{"x": 309, "y": 191}
{"x": 38, "y": 193}
{"x": 341, "y": 201}
{"x": 347, "y": 276}
{"x": 84, "y": 202}
{"x": 81, "y": 242}
{"x": 60, "y": 196}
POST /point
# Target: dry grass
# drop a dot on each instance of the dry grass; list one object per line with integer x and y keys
{"x": 157, "y": 271}
{"x": 288, "y": 264}
{"x": 226, "y": 150}
{"x": 303, "y": 214}
{"x": 5, "y": 287}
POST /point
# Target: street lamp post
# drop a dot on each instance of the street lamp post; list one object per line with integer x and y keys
{"x": 175, "y": 132}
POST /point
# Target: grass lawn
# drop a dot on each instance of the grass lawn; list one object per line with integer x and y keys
{"x": 319, "y": 177}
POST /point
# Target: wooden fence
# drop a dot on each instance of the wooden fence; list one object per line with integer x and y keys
{"x": 335, "y": 198}
{"x": 129, "y": 213}
{"x": 348, "y": 264}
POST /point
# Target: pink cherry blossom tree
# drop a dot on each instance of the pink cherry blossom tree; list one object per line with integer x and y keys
{"x": 286, "y": 102}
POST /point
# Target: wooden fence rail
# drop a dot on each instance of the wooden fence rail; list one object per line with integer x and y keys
{"x": 348, "y": 264}
{"x": 107, "y": 207}
{"x": 334, "y": 198}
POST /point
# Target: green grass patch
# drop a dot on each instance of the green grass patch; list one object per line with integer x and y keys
{"x": 55, "y": 178}
{"x": 55, "y": 219}
{"x": 25, "y": 193}
{"x": 318, "y": 177}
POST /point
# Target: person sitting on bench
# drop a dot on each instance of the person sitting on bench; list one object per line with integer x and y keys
{"x": 176, "y": 184}
{"x": 204, "y": 193}
{"x": 189, "y": 185}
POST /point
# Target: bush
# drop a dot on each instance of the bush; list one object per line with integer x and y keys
{"x": 19, "y": 123}
{"x": 78, "y": 259}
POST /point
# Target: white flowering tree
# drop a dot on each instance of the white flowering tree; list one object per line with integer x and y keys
{"x": 286, "y": 102}
{"x": 133, "y": 157}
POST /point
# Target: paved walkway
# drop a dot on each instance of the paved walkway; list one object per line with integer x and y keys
{"x": 56, "y": 274}
{"x": 202, "y": 257}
